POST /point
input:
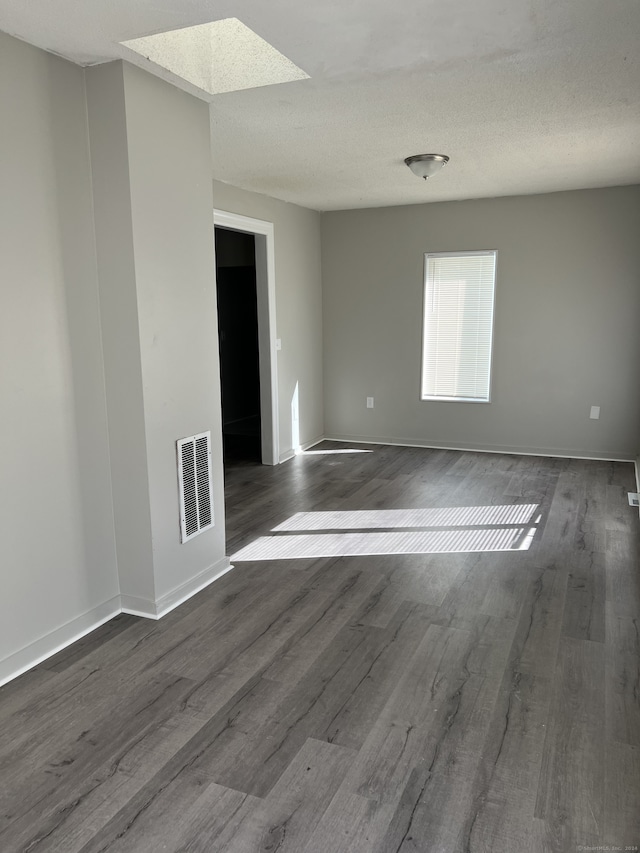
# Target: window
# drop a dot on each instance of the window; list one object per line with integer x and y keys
{"x": 458, "y": 326}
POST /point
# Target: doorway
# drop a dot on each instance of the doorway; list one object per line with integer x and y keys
{"x": 238, "y": 344}
{"x": 245, "y": 274}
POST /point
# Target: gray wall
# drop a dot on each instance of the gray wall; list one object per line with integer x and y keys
{"x": 108, "y": 340}
{"x": 298, "y": 305}
{"x": 566, "y": 322}
{"x": 172, "y": 214}
{"x": 151, "y": 163}
{"x": 119, "y": 314}
{"x": 58, "y": 570}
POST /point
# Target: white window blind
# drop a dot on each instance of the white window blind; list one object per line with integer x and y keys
{"x": 458, "y": 325}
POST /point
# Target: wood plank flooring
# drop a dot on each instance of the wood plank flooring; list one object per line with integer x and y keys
{"x": 450, "y": 662}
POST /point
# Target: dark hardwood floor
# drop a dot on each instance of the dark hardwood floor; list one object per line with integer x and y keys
{"x": 417, "y": 650}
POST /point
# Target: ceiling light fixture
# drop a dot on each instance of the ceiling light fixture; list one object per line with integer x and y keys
{"x": 426, "y": 165}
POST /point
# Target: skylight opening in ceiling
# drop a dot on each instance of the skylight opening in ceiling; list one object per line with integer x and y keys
{"x": 221, "y": 56}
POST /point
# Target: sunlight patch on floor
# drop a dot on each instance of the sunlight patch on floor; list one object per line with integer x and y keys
{"x": 439, "y": 530}
{"x": 333, "y": 452}
{"x": 392, "y": 518}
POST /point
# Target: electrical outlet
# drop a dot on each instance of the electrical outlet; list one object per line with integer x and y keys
{"x": 595, "y": 413}
{"x": 369, "y": 402}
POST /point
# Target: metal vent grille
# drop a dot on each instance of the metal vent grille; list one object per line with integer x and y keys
{"x": 194, "y": 484}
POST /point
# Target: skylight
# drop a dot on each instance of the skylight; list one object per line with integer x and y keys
{"x": 221, "y": 56}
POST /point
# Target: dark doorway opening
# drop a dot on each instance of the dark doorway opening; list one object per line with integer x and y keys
{"x": 238, "y": 343}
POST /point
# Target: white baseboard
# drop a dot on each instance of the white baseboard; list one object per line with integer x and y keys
{"x": 182, "y": 593}
{"x": 135, "y": 606}
{"x": 514, "y": 451}
{"x": 289, "y": 454}
{"x": 53, "y": 642}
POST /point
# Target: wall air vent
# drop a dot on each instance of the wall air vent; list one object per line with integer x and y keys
{"x": 194, "y": 484}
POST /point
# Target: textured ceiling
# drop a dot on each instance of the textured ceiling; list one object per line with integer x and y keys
{"x": 525, "y": 96}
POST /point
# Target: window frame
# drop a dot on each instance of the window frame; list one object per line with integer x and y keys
{"x": 444, "y": 399}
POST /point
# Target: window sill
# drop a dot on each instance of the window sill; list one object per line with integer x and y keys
{"x": 454, "y": 400}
